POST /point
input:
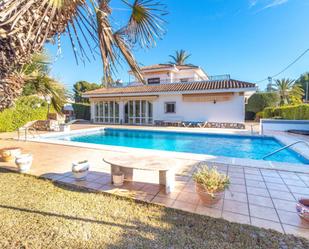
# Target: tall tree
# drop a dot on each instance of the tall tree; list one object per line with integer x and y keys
{"x": 83, "y": 86}
{"x": 303, "y": 81}
{"x": 25, "y": 26}
{"x": 289, "y": 92}
{"x": 180, "y": 57}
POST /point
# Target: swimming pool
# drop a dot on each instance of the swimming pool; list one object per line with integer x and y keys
{"x": 252, "y": 147}
{"x": 239, "y": 146}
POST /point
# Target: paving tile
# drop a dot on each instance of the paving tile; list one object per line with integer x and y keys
{"x": 296, "y": 231}
{"x": 235, "y": 196}
{"x": 236, "y": 207}
{"x": 288, "y": 175}
{"x": 233, "y": 217}
{"x": 237, "y": 188}
{"x": 266, "y": 224}
{"x": 290, "y": 218}
{"x": 163, "y": 201}
{"x": 260, "y": 201}
{"x": 189, "y": 188}
{"x": 257, "y": 184}
{"x": 265, "y": 213}
{"x": 270, "y": 173}
{"x": 238, "y": 169}
{"x": 254, "y": 177}
{"x": 281, "y": 195}
{"x": 277, "y": 186}
{"x": 285, "y": 205}
{"x": 144, "y": 197}
{"x": 192, "y": 198}
{"x": 150, "y": 189}
{"x": 257, "y": 191}
{"x": 185, "y": 206}
{"x": 299, "y": 190}
{"x": 291, "y": 182}
{"x": 173, "y": 195}
{"x": 236, "y": 175}
{"x": 213, "y": 212}
{"x": 235, "y": 180}
{"x": 273, "y": 179}
{"x": 252, "y": 171}
{"x": 300, "y": 196}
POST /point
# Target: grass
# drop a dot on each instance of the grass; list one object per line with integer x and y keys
{"x": 36, "y": 213}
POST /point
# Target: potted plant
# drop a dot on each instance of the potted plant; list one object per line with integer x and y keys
{"x": 24, "y": 162}
{"x": 210, "y": 184}
{"x": 302, "y": 208}
{"x": 80, "y": 169}
{"x": 9, "y": 154}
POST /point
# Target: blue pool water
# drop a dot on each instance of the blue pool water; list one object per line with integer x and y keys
{"x": 211, "y": 144}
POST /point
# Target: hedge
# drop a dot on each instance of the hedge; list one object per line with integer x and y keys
{"x": 297, "y": 112}
{"x": 259, "y": 101}
{"x": 82, "y": 110}
{"x": 26, "y": 109}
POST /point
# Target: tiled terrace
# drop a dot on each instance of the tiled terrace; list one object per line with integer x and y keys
{"x": 260, "y": 197}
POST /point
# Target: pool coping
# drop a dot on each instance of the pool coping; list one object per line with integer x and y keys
{"x": 293, "y": 167}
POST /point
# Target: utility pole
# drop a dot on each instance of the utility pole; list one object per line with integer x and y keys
{"x": 307, "y": 88}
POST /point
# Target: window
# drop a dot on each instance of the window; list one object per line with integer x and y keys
{"x": 184, "y": 80}
{"x": 153, "y": 81}
{"x": 170, "y": 107}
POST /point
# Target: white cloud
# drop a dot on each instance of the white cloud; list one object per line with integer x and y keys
{"x": 275, "y": 3}
{"x": 267, "y": 4}
{"x": 252, "y": 3}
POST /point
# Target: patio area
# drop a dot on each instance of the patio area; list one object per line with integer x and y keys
{"x": 260, "y": 197}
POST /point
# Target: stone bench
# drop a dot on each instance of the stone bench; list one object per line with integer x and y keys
{"x": 126, "y": 164}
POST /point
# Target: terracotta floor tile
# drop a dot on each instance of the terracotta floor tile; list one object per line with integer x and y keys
{"x": 233, "y": 217}
{"x": 189, "y": 189}
{"x": 163, "y": 201}
{"x": 260, "y": 201}
{"x": 184, "y": 206}
{"x": 285, "y": 205}
{"x": 173, "y": 195}
{"x": 192, "y": 198}
{"x": 217, "y": 205}
{"x": 213, "y": 212}
{"x": 281, "y": 195}
{"x": 256, "y": 184}
{"x": 144, "y": 197}
{"x": 236, "y": 207}
{"x": 263, "y": 213}
{"x": 266, "y": 224}
{"x": 235, "y": 196}
{"x": 277, "y": 186}
{"x": 293, "y": 219}
{"x": 296, "y": 231}
{"x": 257, "y": 191}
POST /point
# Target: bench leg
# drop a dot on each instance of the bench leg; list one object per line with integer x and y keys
{"x": 167, "y": 178}
{"x": 127, "y": 172}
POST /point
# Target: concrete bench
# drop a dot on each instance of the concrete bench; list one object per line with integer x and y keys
{"x": 127, "y": 163}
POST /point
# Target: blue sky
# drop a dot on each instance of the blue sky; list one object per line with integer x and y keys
{"x": 248, "y": 39}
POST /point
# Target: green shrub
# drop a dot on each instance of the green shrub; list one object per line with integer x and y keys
{"x": 296, "y": 112}
{"x": 82, "y": 110}
{"x": 26, "y": 109}
{"x": 259, "y": 101}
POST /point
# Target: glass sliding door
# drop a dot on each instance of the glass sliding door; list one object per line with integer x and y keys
{"x": 138, "y": 112}
{"x": 107, "y": 112}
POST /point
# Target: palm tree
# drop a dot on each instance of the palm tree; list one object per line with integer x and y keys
{"x": 180, "y": 57}
{"x": 26, "y": 25}
{"x": 288, "y": 91}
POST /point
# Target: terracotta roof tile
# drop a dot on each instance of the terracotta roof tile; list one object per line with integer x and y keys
{"x": 174, "y": 87}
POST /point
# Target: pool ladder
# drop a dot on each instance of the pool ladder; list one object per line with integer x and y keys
{"x": 286, "y": 147}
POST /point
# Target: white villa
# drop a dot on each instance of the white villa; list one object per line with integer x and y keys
{"x": 172, "y": 93}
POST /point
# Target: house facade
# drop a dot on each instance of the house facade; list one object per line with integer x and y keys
{"x": 172, "y": 93}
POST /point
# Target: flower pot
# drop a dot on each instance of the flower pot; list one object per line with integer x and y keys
{"x": 207, "y": 198}
{"x": 24, "y": 162}
{"x": 302, "y": 208}
{"x": 80, "y": 169}
{"x": 65, "y": 127}
{"x": 118, "y": 179}
{"x": 9, "y": 154}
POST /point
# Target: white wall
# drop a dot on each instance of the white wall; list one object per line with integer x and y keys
{"x": 283, "y": 125}
{"x": 232, "y": 111}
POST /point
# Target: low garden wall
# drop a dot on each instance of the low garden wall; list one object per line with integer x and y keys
{"x": 283, "y": 125}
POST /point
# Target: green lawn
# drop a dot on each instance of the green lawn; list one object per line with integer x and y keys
{"x": 35, "y": 213}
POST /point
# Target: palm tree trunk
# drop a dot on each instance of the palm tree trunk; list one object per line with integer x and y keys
{"x": 10, "y": 88}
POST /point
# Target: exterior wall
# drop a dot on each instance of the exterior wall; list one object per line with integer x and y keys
{"x": 232, "y": 111}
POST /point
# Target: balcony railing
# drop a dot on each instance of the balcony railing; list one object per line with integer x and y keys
{"x": 176, "y": 80}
